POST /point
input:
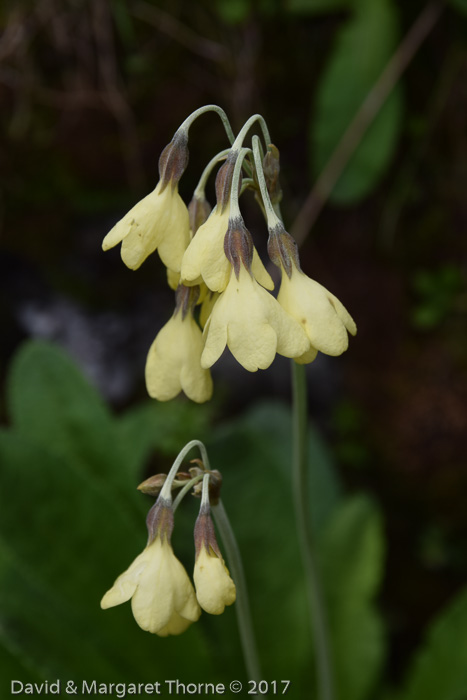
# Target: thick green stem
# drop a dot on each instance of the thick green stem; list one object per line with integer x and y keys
{"x": 242, "y": 606}
{"x": 305, "y": 537}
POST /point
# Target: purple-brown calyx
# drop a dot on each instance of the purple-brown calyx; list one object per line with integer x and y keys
{"x": 282, "y": 249}
{"x": 186, "y": 298}
{"x": 238, "y": 245}
{"x": 224, "y": 181}
{"x": 198, "y": 211}
{"x": 173, "y": 160}
{"x": 204, "y": 532}
{"x": 160, "y": 520}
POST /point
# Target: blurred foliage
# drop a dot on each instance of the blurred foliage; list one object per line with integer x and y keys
{"x": 361, "y": 51}
{"x": 460, "y": 5}
{"x": 72, "y": 521}
{"x": 438, "y": 292}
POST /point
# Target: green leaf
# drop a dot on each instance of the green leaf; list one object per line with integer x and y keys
{"x": 50, "y": 401}
{"x": 270, "y": 427}
{"x": 439, "y": 671}
{"x": 351, "y": 555}
{"x": 63, "y": 540}
{"x": 362, "y": 50}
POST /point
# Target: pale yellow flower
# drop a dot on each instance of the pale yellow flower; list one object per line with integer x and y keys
{"x": 205, "y": 257}
{"x": 253, "y": 325}
{"x": 214, "y": 587}
{"x": 207, "y": 306}
{"x": 173, "y": 279}
{"x": 162, "y": 597}
{"x": 325, "y": 320}
{"x": 174, "y": 361}
{"x": 159, "y": 221}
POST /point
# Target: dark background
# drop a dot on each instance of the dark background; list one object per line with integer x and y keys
{"x": 90, "y": 93}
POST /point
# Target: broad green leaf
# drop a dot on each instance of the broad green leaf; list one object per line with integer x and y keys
{"x": 362, "y": 49}
{"x": 351, "y": 553}
{"x": 13, "y": 666}
{"x": 50, "y": 401}
{"x": 270, "y": 426}
{"x": 63, "y": 541}
{"x": 439, "y": 671}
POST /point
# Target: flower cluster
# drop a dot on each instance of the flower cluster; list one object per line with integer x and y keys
{"x": 222, "y": 287}
{"x": 163, "y": 599}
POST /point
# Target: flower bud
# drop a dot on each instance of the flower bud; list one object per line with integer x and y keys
{"x": 271, "y": 169}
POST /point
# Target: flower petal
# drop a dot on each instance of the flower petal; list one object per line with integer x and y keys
{"x": 174, "y": 362}
{"x": 125, "y": 585}
{"x": 321, "y": 314}
{"x": 159, "y": 220}
{"x": 214, "y": 587}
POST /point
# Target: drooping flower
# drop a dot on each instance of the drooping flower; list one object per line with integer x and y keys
{"x": 324, "y": 318}
{"x": 160, "y": 220}
{"x": 252, "y": 324}
{"x": 163, "y": 600}
{"x": 205, "y": 258}
{"x": 174, "y": 359}
{"x": 214, "y": 586}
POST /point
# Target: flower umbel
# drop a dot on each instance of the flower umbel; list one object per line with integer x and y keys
{"x": 214, "y": 586}
{"x": 162, "y": 597}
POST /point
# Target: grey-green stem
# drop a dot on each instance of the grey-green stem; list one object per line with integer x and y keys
{"x": 209, "y": 108}
{"x": 319, "y": 624}
{"x": 272, "y": 218}
{"x": 234, "y": 207}
{"x": 242, "y": 605}
{"x": 238, "y": 143}
{"x": 200, "y": 187}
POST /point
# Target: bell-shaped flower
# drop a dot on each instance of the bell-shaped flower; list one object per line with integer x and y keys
{"x": 159, "y": 221}
{"x": 214, "y": 587}
{"x": 174, "y": 360}
{"x": 163, "y": 600}
{"x": 252, "y": 324}
{"x": 325, "y": 320}
{"x": 205, "y": 257}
